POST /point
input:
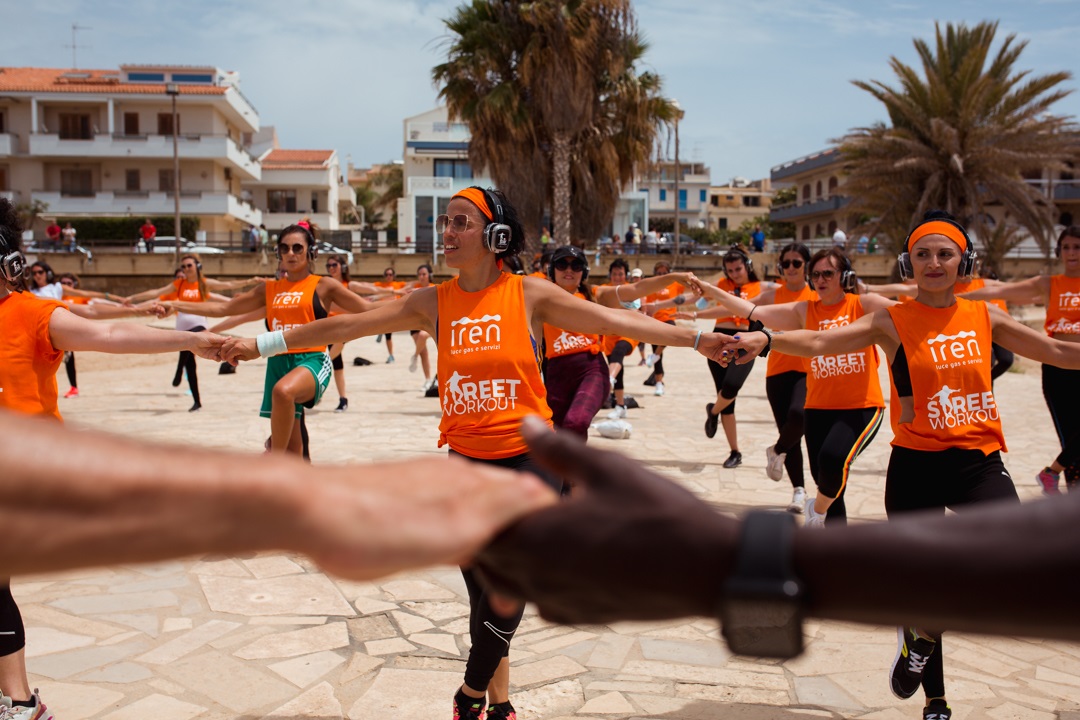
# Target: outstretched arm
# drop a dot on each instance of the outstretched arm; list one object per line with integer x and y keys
{"x": 1025, "y": 292}
{"x": 1038, "y": 346}
{"x": 69, "y": 332}
{"x": 628, "y": 292}
{"x": 867, "y": 330}
{"x": 150, "y": 294}
{"x": 786, "y": 316}
{"x": 253, "y": 299}
{"x": 115, "y": 500}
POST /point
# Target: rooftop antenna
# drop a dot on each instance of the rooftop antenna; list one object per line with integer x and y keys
{"x": 75, "y": 28}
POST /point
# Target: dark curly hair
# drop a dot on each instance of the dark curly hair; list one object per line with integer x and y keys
{"x": 10, "y": 227}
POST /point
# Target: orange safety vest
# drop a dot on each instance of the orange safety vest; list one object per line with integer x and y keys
{"x": 1063, "y": 309}
{"x": 292, "y": 304}
{"x": 846, "y": 381}
{"x": 28, "y": 360}
{"x": 949, "y": 356}
{"x": 489, "y": 368}
{"x": 778, "y": 361}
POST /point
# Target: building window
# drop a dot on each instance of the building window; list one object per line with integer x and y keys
{"x": 131, "y": 123}
{"x": 146, "y": 77}
{"x": 132, "y": 181}
{"x": 76, "y": 183}
{"x": 806, "y": 193}
{"x": 832, "y": 227}
{"x": 805, "y": 232}
{"x": 722, "y": 223}
{"x": 193, "y": 78}
{"x": 457, "y": 169}
{"x": 819, "y": 231}
{"x": 314, "y": 202}
{"x": 164, "y": 124}
{"x": 703, "y": 194}
{"x": 663, "y": 195}
{"x": 715, "y": 201}
{"x": 2, "y": 125}
{"x": 166, "y": 181}
{"x": 818, "y": 194}
{"x": 682, "y": 198}
{"x": 3, "y": 179}
{"x": 751, "y": 201}
{"x": 281, "y": 201}
{"x": 75, "y": 126}
{"x": 833, "y": 184}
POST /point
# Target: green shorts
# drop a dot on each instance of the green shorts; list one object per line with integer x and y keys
{"x": 278, "y": 366}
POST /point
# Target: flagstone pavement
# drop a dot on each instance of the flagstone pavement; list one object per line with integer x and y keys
{"x": 270, "y": 636}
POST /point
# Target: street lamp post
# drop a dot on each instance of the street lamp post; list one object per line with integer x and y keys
{"x": 173, "y": 90}
{"x": 678, "y": 234}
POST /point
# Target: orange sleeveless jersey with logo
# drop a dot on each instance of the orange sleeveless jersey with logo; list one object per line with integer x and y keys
{"x": 76, "y": 300}
{"x": 292, "y": 304}
{"x": 1063, "y": 309}
{"x": 963, "y": 286}
{"x": 746, "y": 292}
{"x": 673, "y": 290}
{"x": 187, "y": 291}
{"x": 28, "y": 360}
{"x": 846, "y": 381}
{"x": 489, "y": 368}
{"x": 608, "y": 342}
{"x": 778, "y": 361}
{"x": 558, "y": 343}
{"x": 949, "y": 357}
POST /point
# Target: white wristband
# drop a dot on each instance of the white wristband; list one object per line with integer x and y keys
{"x": 271, "y": 343}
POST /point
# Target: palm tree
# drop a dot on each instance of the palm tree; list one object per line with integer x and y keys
{"x": 961, "y": 136}
{"x": 554, "y": 104}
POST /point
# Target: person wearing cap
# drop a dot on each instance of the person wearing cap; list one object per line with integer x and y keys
{"x": 947, "y": 430}
{"x": 663, "y": 305}
{"x": 487, "y": 324}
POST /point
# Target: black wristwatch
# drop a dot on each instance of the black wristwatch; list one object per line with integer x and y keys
{"x": 761, "y": 609}
{"x": 758, "y": 326}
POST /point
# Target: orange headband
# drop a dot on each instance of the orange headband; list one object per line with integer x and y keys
{"x": 476, "y": 197}
{"x": 938, "y": 227}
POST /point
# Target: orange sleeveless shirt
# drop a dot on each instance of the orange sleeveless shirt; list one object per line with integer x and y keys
{"x": 608, "y": 342}
{"x": 964, "y": 286}
{"x": 489, "y": 367}
{"x": 949, "y": 357}
{"x": 28, "y": 360}
{"x": 671, "y": 291}
{"x": 558, "y": 343}
{"x": 1063, "y": 310}
{"x": 847, "y": 381}
{"x": 778, "y": 361}
{"x": 746, "y": 292}
{"x": 292, "y": 304}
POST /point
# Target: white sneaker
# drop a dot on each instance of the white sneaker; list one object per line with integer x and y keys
{"x": 651, "y": 360}
{"x": 412, "y": 363}
{"x": 798, "y": 499}
{"x": 617, "y": 413}
{"x": 37, "y": 711}
{"x": 774, "y": 463}
{"x": 427, "y": 385}
{"x": 659, "y": 389}
{"x": 814, "y": 519}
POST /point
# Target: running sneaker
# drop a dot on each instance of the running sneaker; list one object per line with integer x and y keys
{"x": 798, "y": 499}
{"x": 1047, "y": 479}
{"x": 473, "y": 710}
{"x": 389, "y": 359}
{"x": 641, "y": 362}
{"x": 36, "y": 711}
{"x": 413, "y": 362}
{"x": 774, "y": 463}
{"x": 912, "y": 652}
{"x": 651, "y": 360}
{"x": 936, "y": 709}
{"x": 734, "y": 460}
{"x": 501, "y": 711}
{"x": 342, "y": 406}
{"x": 72, "y": 393}
{"x": 814, "y": 519}
{"x": 225, "y": 368}
{"x": 617, "y": 413}
{"x": 659, "y": 389}
{"x": 195, "y": 408}
{"x": 378, "y": 338}
{"x": 711, "y": 421}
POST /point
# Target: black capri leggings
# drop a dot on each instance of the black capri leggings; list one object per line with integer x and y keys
{"x": 69, "y": 366}
{"x": 489, "y": 632}
{"x": 618, "y": 355}
{"x": 187, "y": 362}
{"x": 1061, "y": 389}
{"x": 1003, "y": 360}
{"x": 729, "y": 380}
{"x": 12, "y": 631}
{"x": 834, "y": 438}
{"x": 335, "y": 360}
{"x": 787, "y": 395}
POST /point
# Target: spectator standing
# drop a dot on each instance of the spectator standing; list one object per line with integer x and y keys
{"x": 839, "y": 239}
{"x": 68, "y": 234}
{"x": 758, "y": 239}
{"x": 148, "y": 232}
{"x": 52, "y": 236}
{"x": 545, "y": 237}
{"x": 628, "y": 245}
{"x": 264, "y": 241}
{"x": 864, "y": 244}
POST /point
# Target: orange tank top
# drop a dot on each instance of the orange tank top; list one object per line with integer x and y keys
{"x": 608, "y": 342}
{"x": 949, "y": 357}
{"x": 187, "y": 291}
{"x": 1063, "y": 310}
{"x": 558, "y": 343}
{"x": 746, "y": 292}
{"x": 76, "y": 300}
{"x": 671, "y": 291}
{"x": 292, "y": 304}
{"x": 28, "y": 360}
{"x": 778, "y": 361}
{"x": 846, "y": 381}
{"x": 489, "y": 368}
{"x": 964, "y": 286}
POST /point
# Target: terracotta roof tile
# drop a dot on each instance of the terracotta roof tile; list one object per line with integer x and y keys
{"x": 278, "y": 159}
{"x": 60, "y": 80}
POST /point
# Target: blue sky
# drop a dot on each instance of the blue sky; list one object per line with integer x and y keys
{"x": 761, "y": 82}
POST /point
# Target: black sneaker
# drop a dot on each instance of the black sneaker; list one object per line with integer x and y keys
{"x": 711, "y": 421}
{"x": 342, "y": 406}
{"x": 195, "y": 408}
{"x": 471, "y": 709}
{"x": 226, "y": 368}
{"x": 734, "y": 460}
{"x": 651, "y": 380}
{"x": 912, "y": 652}
{"x": 501, "y": 711}
{"x": 937, "y": 709}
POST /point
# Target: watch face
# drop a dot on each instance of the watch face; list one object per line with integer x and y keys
{"x": 763, "y": 628}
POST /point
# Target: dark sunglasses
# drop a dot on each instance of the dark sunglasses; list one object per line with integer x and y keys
{"x": 826, "y": 274}
{"x": 389, "y": 274}
{"x": 332, "y": 265}
{"x": 67, "y": 283}
{"x": 785, "y": 264}
{"x": 37, "y": 271}
{"x": 458, "y": 223}
{"x": 574, "y": 264}
{"x": 188, "y": 266}
{"x": 295, "y": 248}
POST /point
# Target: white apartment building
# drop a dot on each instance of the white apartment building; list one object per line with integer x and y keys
{"x": 301, "y": 183}
{"x": 99, "y": 143}
{"x": 691, "y": 196}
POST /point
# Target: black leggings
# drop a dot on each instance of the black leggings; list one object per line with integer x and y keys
{"x": 787, "y": 394}
{"x": 729, "y": 380}
{"x": 618, "y": 355}
{"x": 658, "y": 351}
{"x": 187, "y": 363}
{"x": 834, "y": 438}
{"x": 336, "y": 360}
{"x": 489, "y": 632}
{"x": 924, "y": 481}
{"x": 69, "y": 366}
{"x": 1002, "y": 361}
{"x": 1061, "y": 389}
{"x": 12, "y": 631}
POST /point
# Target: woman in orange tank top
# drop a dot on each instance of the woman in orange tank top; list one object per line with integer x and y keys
{"x": 948, "y": 441}
{"x": 1061, "y": 387}
{"x": 487, "y": 325}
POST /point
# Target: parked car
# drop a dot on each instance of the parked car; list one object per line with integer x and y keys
{"x": 167, "y": 244}
{"x": 687, "y": 244}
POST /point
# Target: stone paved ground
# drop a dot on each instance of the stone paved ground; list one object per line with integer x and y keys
{"x": 271, "y": 636}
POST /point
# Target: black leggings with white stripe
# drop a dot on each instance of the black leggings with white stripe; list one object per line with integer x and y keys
{"x": 834, "y": 438}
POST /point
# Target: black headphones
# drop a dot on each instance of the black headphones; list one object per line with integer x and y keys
{"x": 967, "y": 257}
{"x": 848, "y": 280}
{"x": 497, "y": 233}
{"x": 570, "y": 251}
{"x": 198, "y": 263}
{"x": 745, "y": 256}
{"x": 312, "y": 249}
{"x": 12, "y": 262}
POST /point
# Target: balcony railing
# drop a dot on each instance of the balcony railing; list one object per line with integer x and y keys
{"x": 440, "y": 186}
{"x": 7, "y": 144}
{"x": 108, "y": 203}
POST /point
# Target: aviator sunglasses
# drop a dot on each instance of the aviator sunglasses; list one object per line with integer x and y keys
{"x": 458, "y": 223}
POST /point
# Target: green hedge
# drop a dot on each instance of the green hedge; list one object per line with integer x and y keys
{"x": 127, "y": 229}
